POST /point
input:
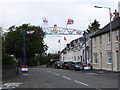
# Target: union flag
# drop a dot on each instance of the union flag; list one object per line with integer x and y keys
{"x": 45, "y": 20}
{"x": 70, "y": 21}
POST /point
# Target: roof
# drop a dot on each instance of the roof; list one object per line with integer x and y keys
{"x": 115, "y": 25}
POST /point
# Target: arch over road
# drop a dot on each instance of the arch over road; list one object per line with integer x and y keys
{"x": 61, "y": 31}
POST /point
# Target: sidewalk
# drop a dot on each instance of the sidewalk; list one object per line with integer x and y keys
{"x": 101, "y": 71}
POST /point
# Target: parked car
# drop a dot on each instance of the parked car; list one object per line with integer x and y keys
{"x": 58, "y": 64}
{"x": 67, "y": 65}
{"x": 77, "y": 66}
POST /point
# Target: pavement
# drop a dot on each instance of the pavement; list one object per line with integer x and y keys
{"x": 102, "y": 72}
{"x": 89, "y": 71}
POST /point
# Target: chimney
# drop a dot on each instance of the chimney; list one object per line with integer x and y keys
{"x": 116, "y": 15}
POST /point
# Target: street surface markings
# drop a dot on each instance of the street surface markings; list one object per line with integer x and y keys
{"x": 56, "y": 74}
{"x": 91, "y": 73}
{"x": 66, "y": 77}
{"x": 80, "y": 82}
{"x": 48, "y": 71}
{"x": 10, "y": 85}
{"x": 98, "y": 89}
{"x": 25, "y": 74}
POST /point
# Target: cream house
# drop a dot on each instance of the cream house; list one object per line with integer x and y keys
{"x": 101, "y": 47}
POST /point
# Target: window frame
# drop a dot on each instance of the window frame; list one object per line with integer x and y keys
{"x": 95, "y": 55}
{"x": 100, "y": 39}
{"x": 116, "y": 36}
{"x": 109, "y": 60}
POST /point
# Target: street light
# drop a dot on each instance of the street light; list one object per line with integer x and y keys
{"x": 110, "y": 33}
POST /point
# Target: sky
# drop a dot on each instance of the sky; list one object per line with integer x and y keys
{"x": 18, "y": 12}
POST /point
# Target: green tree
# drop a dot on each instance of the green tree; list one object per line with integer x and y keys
{"x": 93, "y": 26}
{"x": 34, "y": 42}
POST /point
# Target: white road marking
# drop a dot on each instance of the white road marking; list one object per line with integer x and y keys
{"x": 66, "y": 77}
{"x": 98, "y": 88}
{"x": 80, "y": 82}
{"x": 56, "y": 74}
{"x": 91, "y": 73}
{"x": 25, "y": 74}
{"x": 48, "y": 71}
{"x": 10, "y": 85}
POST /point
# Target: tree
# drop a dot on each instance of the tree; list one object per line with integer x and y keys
{"x": 14, "y": 41}
{"x": 93, "y": 26}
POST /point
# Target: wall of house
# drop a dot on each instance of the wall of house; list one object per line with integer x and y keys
{"x": 119, "y": 53}
{"x": 71, "y": 56}
{"x": 104, "y": 48}
{"x": 77, "y": 54}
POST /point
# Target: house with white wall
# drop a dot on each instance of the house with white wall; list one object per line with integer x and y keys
{"x": 101, "y": 47}
{"x": 72, "y": 52}
{"x": 76, "y": 51}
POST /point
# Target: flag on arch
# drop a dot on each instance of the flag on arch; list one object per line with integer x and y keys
{"x": 59, "y": 41}
{"x": 45, "y": 20}
{"x": 70, "y": 21}
{"x": 65, "y": 38}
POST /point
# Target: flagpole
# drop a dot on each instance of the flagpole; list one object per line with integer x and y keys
{"x": 64, "y": 43}
{"x": 60, "y": 43}
{"x": 43, "y": 24}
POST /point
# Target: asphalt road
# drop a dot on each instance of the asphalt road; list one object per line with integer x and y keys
{"x": 41, "y": 77}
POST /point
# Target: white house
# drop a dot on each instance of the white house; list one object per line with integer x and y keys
{"x": 76, "y": 51}
{"x": 72, "y": 52}
{"x": 101, "y": 47}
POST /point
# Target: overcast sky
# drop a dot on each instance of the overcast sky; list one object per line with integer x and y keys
{"x": 18, "y": 12}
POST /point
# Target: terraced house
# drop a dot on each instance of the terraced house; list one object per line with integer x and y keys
{"x": 98, "y": 47}
{"x": 76, "y": 51}
{"x": 101, "y": 47}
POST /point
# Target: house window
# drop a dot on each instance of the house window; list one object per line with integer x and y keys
{"x": 108, "y": 37}
{"x": 95, "y": 58}
{"x": 119, "y": 35}
{"x": 95, "y": 42}
{"x": 116, "y": 36}
{"x": 78, "y": 58}
{"x": 75, "y": 58}
{"x": 100, "y": 39}
{"x": 109, "y": 57}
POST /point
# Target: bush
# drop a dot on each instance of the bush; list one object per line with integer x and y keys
{"x": 7, "y": 60}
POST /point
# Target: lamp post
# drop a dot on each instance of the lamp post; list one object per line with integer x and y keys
{"x": 110, "y": 34}
{"x": 101, "y": 59}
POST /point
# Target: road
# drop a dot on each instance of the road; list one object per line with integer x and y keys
{"x": 41, "y": 77}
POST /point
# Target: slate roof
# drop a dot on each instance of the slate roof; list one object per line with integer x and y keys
{"x": 115, "y": 25}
